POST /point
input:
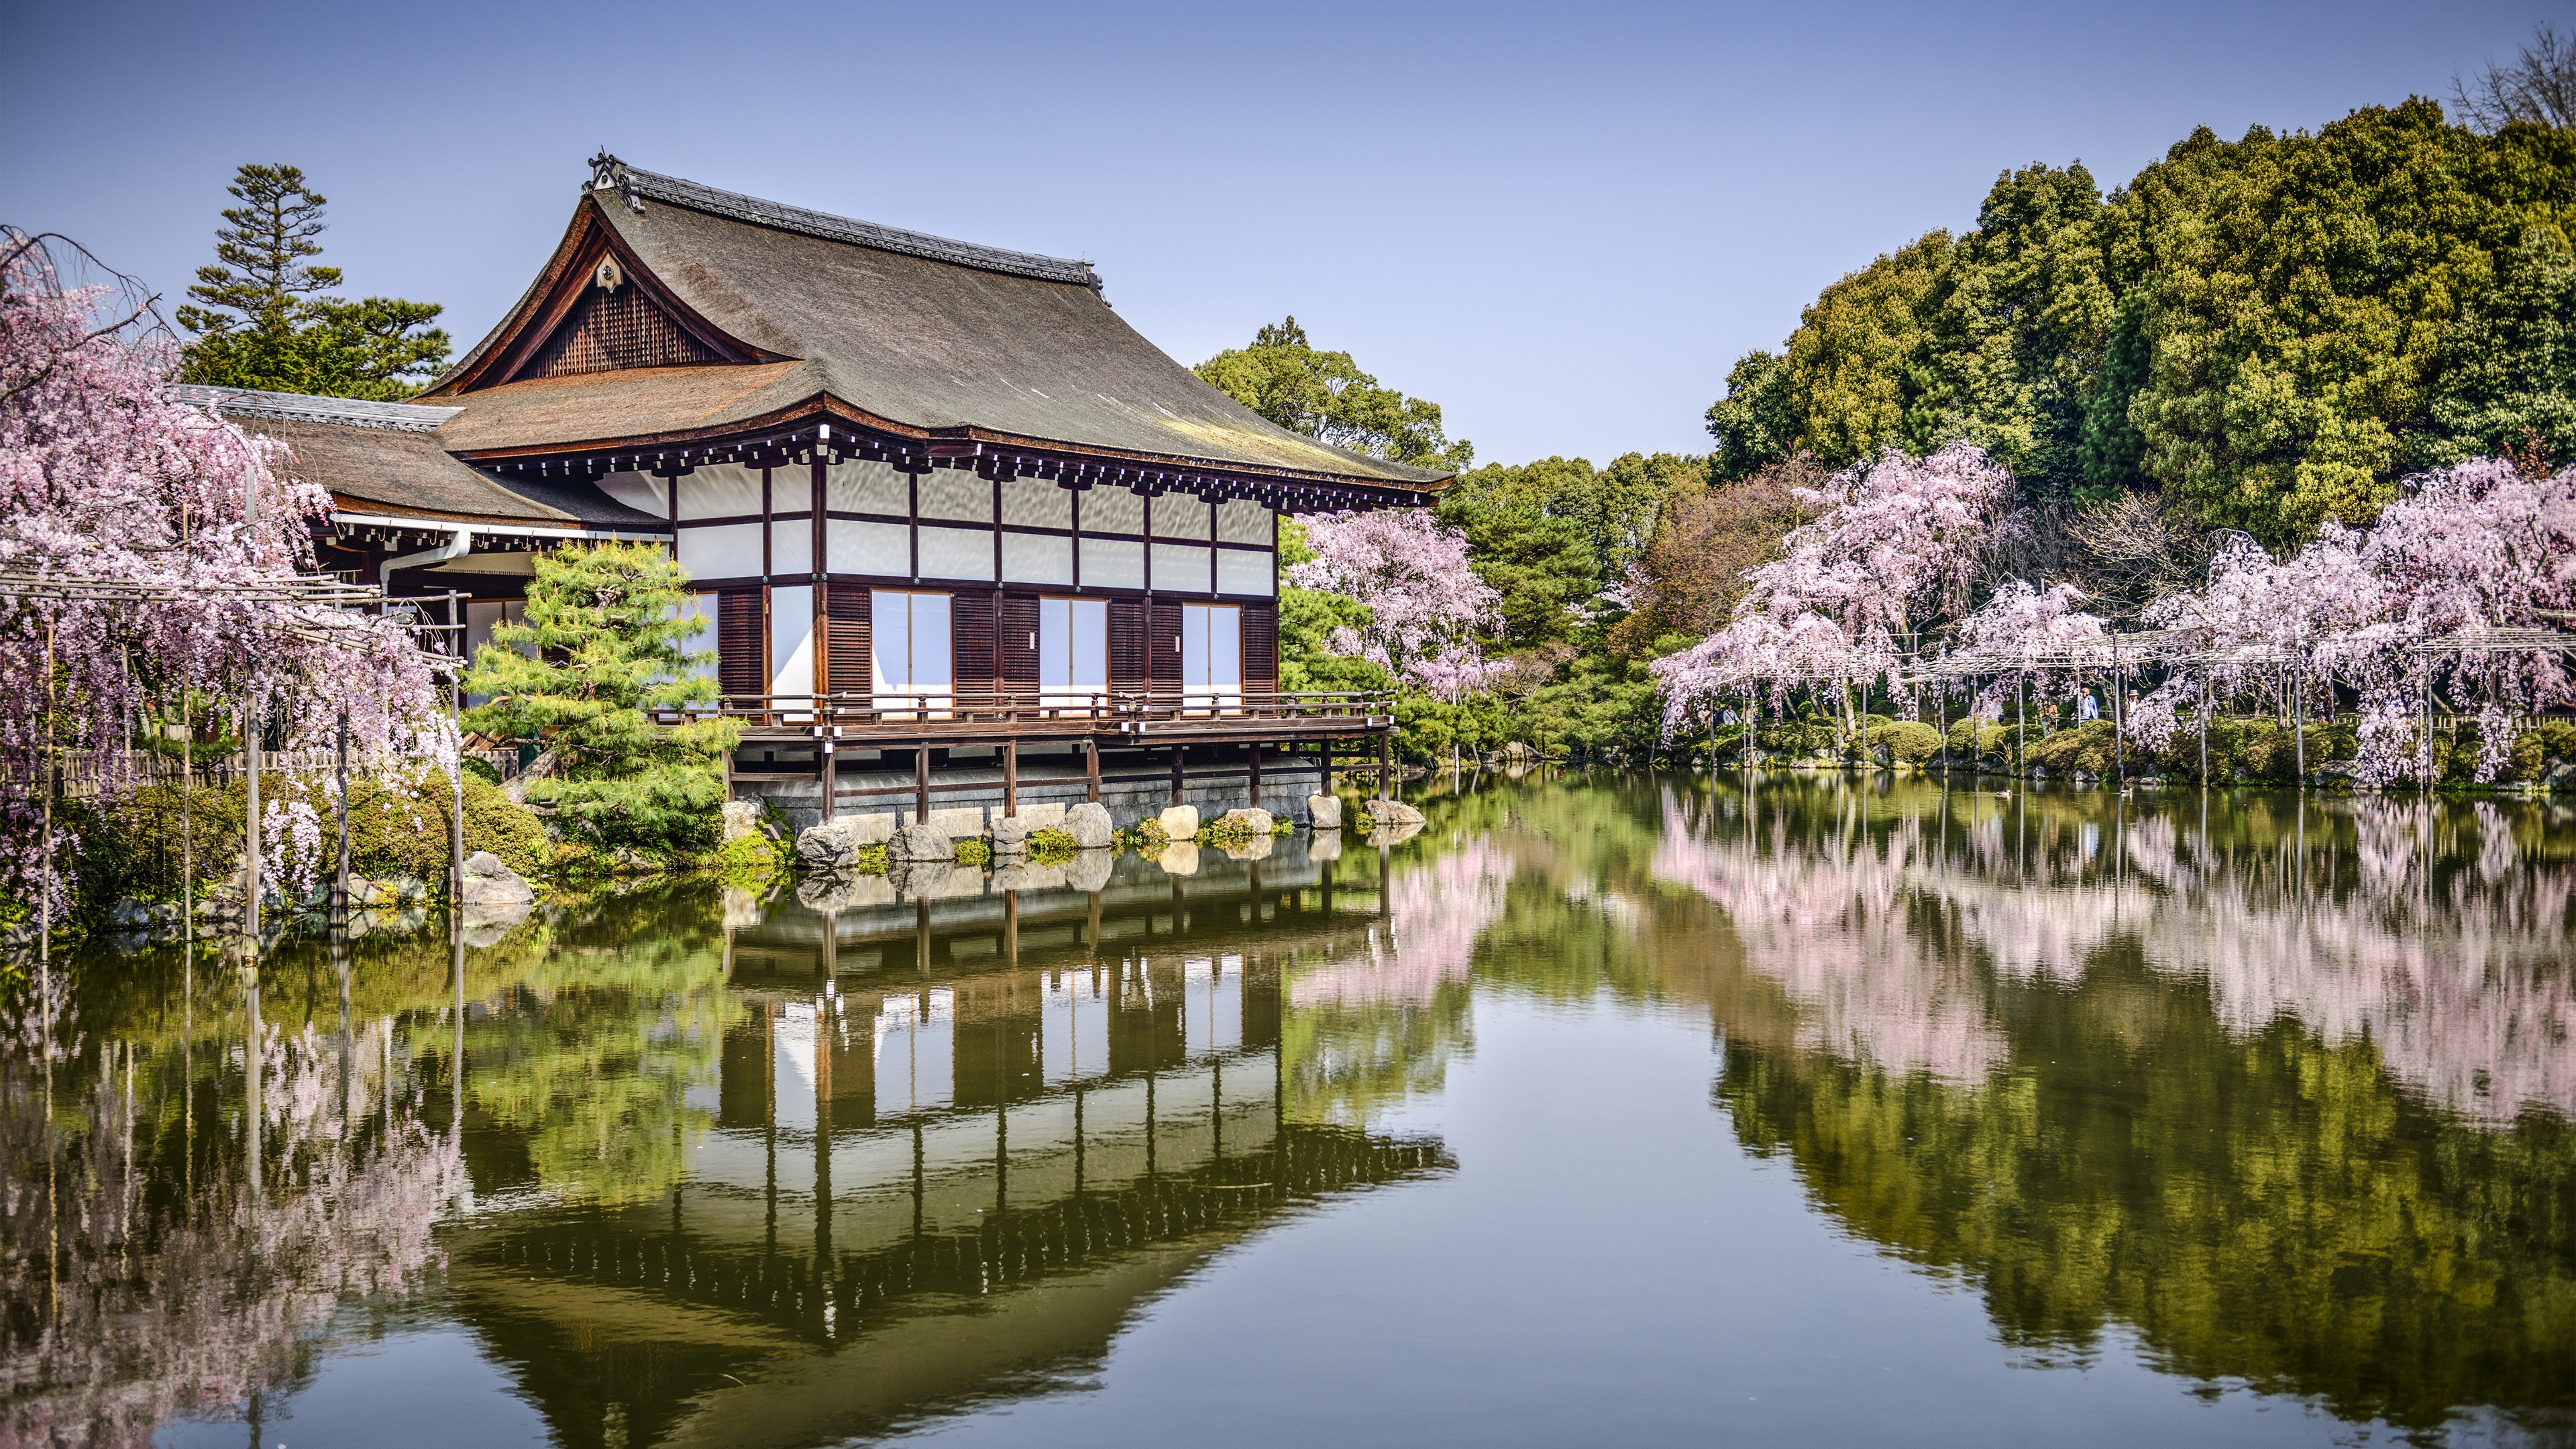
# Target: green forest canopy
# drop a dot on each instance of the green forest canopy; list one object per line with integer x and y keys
{"x": 2271, "y": 330}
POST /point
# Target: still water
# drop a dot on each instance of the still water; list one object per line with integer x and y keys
{"x": 1638, "y": 1111}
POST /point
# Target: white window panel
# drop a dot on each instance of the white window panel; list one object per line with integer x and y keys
{"x": 1241, "y": 522}
{"x": 871, "y": 548}
{"x": 1037, "y": 558}
{"x": 956, "y": 495}
{"x": 1180, "y": 515}
{"x": 1238, "y": 572}
{"x": 908, "y": 649}
{"x": 1036, "y": 503}
{"x": 1073, "y": 651}
{"x": 1211, "y": 657}
{"x": 729, "y": 490}
{"x": 1113, "y": 510}
{"x": 791, "y": 547}
{"x": 1112, "y": 563}
{"x": 1181, "y": 568}
{"x": 726, "y": 551}
{"x": 791, "y": 639}
{"x": 864, "y": 487}
{"x": 480, "y": 616}
{"x": 957, "y": 553}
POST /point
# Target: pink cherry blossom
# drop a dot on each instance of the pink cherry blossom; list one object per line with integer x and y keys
{"x": 1428, "y": 612}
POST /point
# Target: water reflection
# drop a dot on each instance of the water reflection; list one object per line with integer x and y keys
{"x": 2276, "y": 1091}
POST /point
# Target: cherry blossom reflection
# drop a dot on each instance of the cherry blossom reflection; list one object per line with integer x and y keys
{"x": 2453, "y": 961}
{"x": 130, "y": 1303}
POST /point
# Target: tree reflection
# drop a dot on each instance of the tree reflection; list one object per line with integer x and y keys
{"x": 175, "y": 1236}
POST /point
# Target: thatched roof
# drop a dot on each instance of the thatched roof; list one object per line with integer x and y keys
{"x": 786, "y": 309}
{"x": 377, "y": 457}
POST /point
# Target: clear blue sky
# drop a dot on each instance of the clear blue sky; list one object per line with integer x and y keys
{"x": 1560, "y": 223}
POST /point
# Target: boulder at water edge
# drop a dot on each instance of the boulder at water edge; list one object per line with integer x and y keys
{"x": 741, "y": 818}
{"x": 1181, "y": 822}
{"x": 1325, "y": 845}
{"x": 1088, "y": 824}
{"x": 490, "y": 883}
{"x": 920, "y": 843}
{"x": 1384, "y": 814}
{"x": 832, "y": 845}
{"x": 1324, "y": 812}
{"x": 1255, "y": 820}
{"x": 1181, "y": 857}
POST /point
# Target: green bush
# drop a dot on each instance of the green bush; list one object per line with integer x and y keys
{"x": 1987, "y": 742}
{"x": 974, "y": 852}
{"x": 2087, "y": 747}
{"x": 1910, "y": 742}
{"x": 1052, "y": 846}
{"x": 751, "y": 862}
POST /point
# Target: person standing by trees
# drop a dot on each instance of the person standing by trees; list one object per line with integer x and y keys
{"x": 265, "y": 323}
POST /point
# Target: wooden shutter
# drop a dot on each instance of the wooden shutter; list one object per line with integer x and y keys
{"x": 970, "y": 637}
{"x": 846, "y": 634}
{"x": 742, "y": 663}
{"x": 1163, "y": 649}
{"x": 1127, "y": 645}
{"x": 1019, "y": 646}
{"x": 1260, "y": 649}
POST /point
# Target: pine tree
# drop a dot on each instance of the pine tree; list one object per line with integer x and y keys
{"x": 266, "y": 323}
{"x": 604, "y": 642}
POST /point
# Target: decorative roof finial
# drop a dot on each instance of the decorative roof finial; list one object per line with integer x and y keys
{"x": 607, "y": 173}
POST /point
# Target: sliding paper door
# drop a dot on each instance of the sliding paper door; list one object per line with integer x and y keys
{"x": 908, "y": 637}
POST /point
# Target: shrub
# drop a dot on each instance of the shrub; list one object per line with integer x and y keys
{"x": 1910, "y": 742}
{"x": 974, "y": 852}
{"x": 751, "y": 862}
{"x": 606, "y": 638}
{"x": 1052, "y": 846}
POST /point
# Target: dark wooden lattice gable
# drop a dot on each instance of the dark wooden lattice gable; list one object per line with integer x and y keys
{"x": 610, "y": 330}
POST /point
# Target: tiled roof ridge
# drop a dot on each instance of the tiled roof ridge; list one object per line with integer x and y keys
{"x": 630, "y": 183}
{"x": 348, "y": 412}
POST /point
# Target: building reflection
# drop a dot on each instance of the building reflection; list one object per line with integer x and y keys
{"x": 1046, "y": 1105}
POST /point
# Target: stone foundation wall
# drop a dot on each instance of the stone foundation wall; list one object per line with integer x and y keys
{"x": 1047, "y": 790}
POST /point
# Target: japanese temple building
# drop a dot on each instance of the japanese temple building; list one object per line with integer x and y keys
{"x": 952, "y": 525}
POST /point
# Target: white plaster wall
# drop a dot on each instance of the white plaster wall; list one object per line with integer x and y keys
{"x": 957, "y": 553}
{"x": 725, "y": 551}
{"x": 1180, "y": 515}
{"x": 1238, "y": 572}
{"x": 1181, "y": 568}
{"x": 870, "y": 548}
{"x": 956, "y": 495}
{"x": 1037, "y": 503}
{"x": 866, "y": 488}
{"x": 1037, "y": 558}
{"x": 1115, "y": 563}
{"x": 1241, "y": 522}
{"x": 1113, "y": 510}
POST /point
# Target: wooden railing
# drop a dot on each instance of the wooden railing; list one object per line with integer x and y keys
{"x": 978, "y": 710}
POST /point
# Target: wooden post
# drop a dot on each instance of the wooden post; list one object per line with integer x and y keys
{"x": 1091, "y": 771}
{"x": 1324, "y": 773}
{"x": 2204, "y": 730}
{"x": 340, "y": 879}
{"x": 2021, "y": 739}
{"x": 1010, "y": 767}
{"x": 1254, "y": 784}
{"x": 1176, "y": 774}
{"x": 828, "y": 776}
{"x": 1385, "y": 765}
{"x": 456, "y": 710}
{"x": 2119, "y": 715}
{"x": 2299, "y": 735}
{"x": 921, "y": 784}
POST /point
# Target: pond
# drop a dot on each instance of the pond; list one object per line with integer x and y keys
{"x": 1785, "y": 1109}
